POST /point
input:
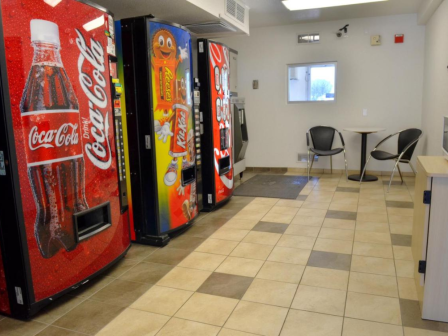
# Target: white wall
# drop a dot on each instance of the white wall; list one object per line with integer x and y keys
{"x": 387, "y": 80}
{"x": 435, "y": 94}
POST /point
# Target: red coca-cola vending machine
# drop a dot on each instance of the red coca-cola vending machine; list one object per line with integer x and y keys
{"x": 63, "y": 212}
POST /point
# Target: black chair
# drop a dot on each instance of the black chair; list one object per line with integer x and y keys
{"x": 407, "y": 141}
{"x": 322, "y": 138}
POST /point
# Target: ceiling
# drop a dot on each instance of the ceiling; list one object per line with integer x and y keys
{"x": 263, "y": 13}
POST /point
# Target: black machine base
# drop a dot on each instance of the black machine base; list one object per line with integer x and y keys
{"x": 154, "y": 240}
{"x": 367, "y": 178}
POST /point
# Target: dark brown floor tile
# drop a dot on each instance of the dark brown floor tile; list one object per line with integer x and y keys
{"x": 331, "y": 260}
{"x": 89, "y": 317}
{"x": 55, "y": 331}
{"x": 140, "y": 252}
{"x": 401, "y": 240}
{"x": 147, "y": 272}
{"x": 171, "y": 256}
{"x": 278, "y": 170}
{"x": 397, "y": 204}
{"x": 302, "y": 198}
{"x": 222, "y": 213}
{"x": 58, "y": 308}
{"x": 207, "y": 221}
{"x": 348, "y": 215}
{"x": 92, "y": 286}
{"x": 227, "y": 285}
{"x": 121, "y": 293}
{"x": 121, "y": 267}
{"x": 12, "y": 327}
{"x": 184, "y": 243}
{"x": 412, "y": 318}
{"x": 261, "y": 170}
{"x": 347, "y": 189}
{"x": 270, "y": 227}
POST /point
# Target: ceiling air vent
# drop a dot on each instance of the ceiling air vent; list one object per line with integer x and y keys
{"x": 210, "y": 27}
{"x": 236, "y": 10}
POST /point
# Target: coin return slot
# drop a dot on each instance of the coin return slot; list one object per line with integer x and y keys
{"x": 224, "y": 165}
{"x": 91, "y": 222}
{"x": 188, "y": 175}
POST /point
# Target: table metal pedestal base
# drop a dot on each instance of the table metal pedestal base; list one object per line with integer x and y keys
{"x": 367, "y": 178}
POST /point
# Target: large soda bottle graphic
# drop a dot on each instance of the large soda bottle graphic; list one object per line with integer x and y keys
{"x": 51, "y": 130}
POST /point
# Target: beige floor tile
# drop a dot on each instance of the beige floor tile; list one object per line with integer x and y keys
{"x": 262, "y": 208}
{"x": 319, "y": 192}
{"x": 283, "y": 210}
{"x": 373, "y": 284}
{"x": 281, "y": 272}
{"x": 240, "y": 266}
{"x": 365, "y": 328}
{"x": 252, "y": 251}
{"x": 278, "y": 218}
{"x": 311, "y": 324}
{"x": 379, "y": 204}
{"x": 229, "y": 332}
{"x": 372, "y": 227}
{"x": 406, "y": 289}
{"x": 13, "y": 327}
{"x": 257, "y": 318}
{"x": 373, "y": 250}
{"x": 314, "y": 198}
{"x": 372, "y": 237}
{"x": 230, "y": 234}
{"x": 143, "y": 324}
{"x": 300, "y": 242}
{"x": 373, "y": 265}
{"x": 373, "y": 308}
{"x": 335, "y": 246}
{"x": 271, "y": 292}
{"x": 177, "y": 327}
{"x": 367, "y": 209}
{"x": 289, "y": 255}
{"x": 375, "y": 197}
{"x": 302, "y": 230}
{"x": 312, "y": 212}
{"x": 343, "y": 200}
{"x": 373, "y": 191}
{"x": 405, "y": 268}
{"x": 320, "y": 300}
{"x": 249, "y": 214}
{"x": 326, "y": 278}
{"x": 399, "y": 197}
{"x": 202, "y": 261}
{"x": 403, "y": 253}
{"x": 162, "y": 300}
{"x": 240, "y": 224}
{"x": 316, "y": 205}
{"x": 372, "y": 217}
{"x": 336, "y": 234}
{"x": 401, "y": 220}
{"x": 184, "y": 278}
{"x": 347, "y": 195}
{"x": 289, "y": 203}
{"x": 400, "y": 212}
{"x": 343, "y": 207}
{"x": 207, "y": 309}
{"x": 401, "y": 229}
{"x": 341, "y": 224}
{"x": 264, "y": 238}
{"x": 217, "y": 246}
{"x": 422, "y": 332}
{"x": 307, "y": 221}
{"x": 266, "y": 201}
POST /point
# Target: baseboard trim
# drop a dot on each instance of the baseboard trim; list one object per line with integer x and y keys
{"x": 279, "y": 170}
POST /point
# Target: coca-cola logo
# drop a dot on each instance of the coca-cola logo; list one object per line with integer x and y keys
{"x": 66, "y": 135}
{"x": 99, "y": 151}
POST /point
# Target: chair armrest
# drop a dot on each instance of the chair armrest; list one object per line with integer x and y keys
{"x": 342, "y": 138}
{"x": 384, "y": 140}
{"x": 409, "y": 146}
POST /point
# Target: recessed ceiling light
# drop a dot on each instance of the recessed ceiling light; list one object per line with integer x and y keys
{"x": 312, "y": 4}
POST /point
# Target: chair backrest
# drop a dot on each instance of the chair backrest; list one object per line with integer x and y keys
{"x": 322, "y": 137}
{"x": 405, "y": 138}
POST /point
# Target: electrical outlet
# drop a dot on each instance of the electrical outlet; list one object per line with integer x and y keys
{"x": 364, "y": 112}
{"x": 375, "y": 40}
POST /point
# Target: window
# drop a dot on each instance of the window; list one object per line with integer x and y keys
{"x": 314, "y": 82}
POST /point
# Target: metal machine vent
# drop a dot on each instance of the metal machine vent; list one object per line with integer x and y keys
{"x": 236, "y": 9}
{"x": 210, "y": 27}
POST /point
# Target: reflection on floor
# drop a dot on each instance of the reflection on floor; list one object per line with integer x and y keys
{"x": 336, "y": 261}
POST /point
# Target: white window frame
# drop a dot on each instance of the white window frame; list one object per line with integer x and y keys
{"x": 315, "y": 64}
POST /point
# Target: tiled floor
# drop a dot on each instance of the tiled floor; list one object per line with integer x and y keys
{"x": 336, "y": 261}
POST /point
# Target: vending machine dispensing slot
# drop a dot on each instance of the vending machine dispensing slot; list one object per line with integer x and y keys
{"x": 224, "y": 165}
{"x": 92, "y": 221}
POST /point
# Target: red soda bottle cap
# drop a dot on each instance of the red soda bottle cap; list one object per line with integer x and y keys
{"x": 44, "y": 31}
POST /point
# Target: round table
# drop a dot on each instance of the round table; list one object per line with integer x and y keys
{"x": 364, "y": 131}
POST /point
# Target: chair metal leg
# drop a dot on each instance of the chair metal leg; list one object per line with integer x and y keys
{"x": 346, "y": 166}
{"x": 312, "y": 162}
{"x": 412, "y": 167}
{"x": 399, "y": 171}
{"x": 331, "y": 165}
{"x": 392, "y": 176}
{"x": 364, "y": 170}
{"x": 308, "y": 165}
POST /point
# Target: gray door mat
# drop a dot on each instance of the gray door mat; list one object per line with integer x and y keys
{"x": 274, "y": 186}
